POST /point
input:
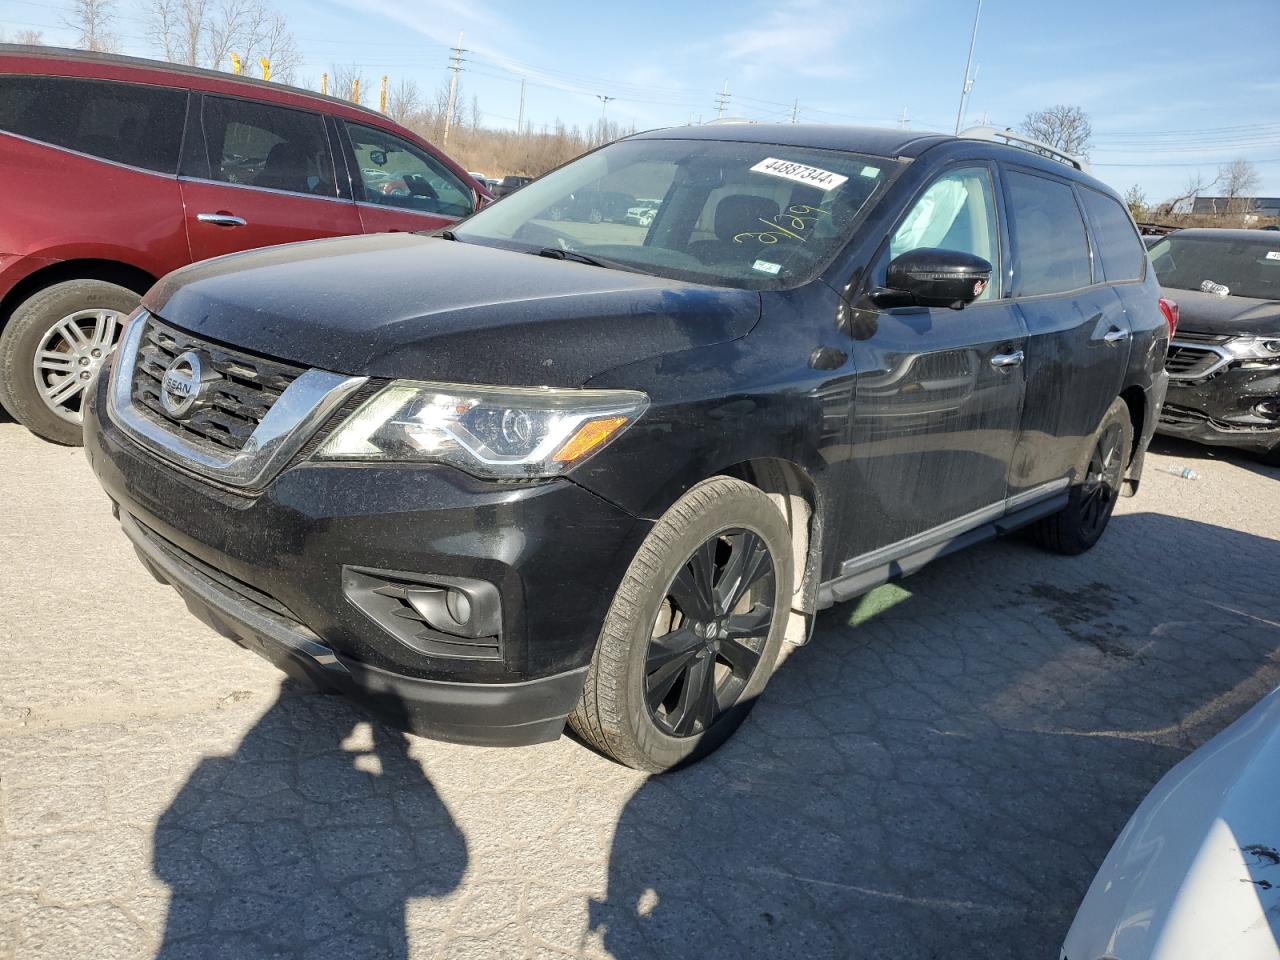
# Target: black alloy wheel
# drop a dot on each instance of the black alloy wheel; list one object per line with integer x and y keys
{"x": 1102, "y": 480}
{"x": 710, "y": 633}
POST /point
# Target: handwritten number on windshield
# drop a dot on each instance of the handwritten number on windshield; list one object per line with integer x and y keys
{"x": 793, "y": 222}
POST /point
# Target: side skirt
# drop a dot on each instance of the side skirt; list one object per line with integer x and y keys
{"x": 920, "y": 551}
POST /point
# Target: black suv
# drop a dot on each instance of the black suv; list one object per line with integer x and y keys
{"x": 532, "y": 469}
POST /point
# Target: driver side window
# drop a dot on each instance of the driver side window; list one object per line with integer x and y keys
{"x": 956, "y": 212}
{"x": 396, "y": 173}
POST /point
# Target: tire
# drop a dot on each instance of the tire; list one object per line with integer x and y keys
{"x": 81, "y": 319}
{"x": 1080, "y": 524}
{"x": 655, "y": 646}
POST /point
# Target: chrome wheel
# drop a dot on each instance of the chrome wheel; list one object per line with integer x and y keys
{"x": 69, "y": 356}
{"x": 1102, "y": 482}
{"x": 710, "y": 633}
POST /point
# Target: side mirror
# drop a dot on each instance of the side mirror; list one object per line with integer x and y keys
{"x": 931, "y": 277}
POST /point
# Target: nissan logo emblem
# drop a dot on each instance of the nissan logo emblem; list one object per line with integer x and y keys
{"x": 184, "y": 388}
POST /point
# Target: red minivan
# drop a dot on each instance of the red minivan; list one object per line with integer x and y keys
{"x": 114, "y": 171}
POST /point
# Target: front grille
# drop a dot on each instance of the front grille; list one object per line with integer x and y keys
{"x": 1186, "y": 361}
{"x": 248, "y": 389}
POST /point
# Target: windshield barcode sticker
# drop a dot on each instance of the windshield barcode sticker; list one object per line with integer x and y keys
{"x": 799, "y": 172}
{"x": 764, "y": 266}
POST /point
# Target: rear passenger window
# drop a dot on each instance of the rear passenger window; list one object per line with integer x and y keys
{"x": 1050, "y": 247}
{"x": 1119, "y": 247}
{"x": 132, "y": 123}
{"x": 259, "y": 145}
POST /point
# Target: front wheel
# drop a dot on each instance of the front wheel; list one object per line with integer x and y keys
{"x": 693, "y": 632}
{"x": 52, "y": 348}
{"x": 1080, "y": 524}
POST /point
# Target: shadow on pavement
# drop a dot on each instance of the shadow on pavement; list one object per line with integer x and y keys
{"x": 307, "y": 842}
{"x": 941, "y": 772}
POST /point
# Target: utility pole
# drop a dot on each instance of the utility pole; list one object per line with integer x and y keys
{"x": 455, "y": 64}
{"x": 968, "y": 66}
{"x": 722, "y": 100}
{"x": 902, "y": 121}
{"x": 382, "y": 95}
{"x": 795, "y": 111}
{"x": 324, "y": 84}
{"x": 520, "y": 115}
{"x": 604, "y": 105}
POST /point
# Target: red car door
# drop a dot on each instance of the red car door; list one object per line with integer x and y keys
{"x": 400, "y": 186}
{"x": 269, "y": 178}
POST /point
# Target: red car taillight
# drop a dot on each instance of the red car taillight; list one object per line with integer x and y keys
{"x": 1170, "y": 310}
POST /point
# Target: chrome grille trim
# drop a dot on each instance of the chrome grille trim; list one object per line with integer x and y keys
{"x": 248, "y": 387}
{"x": 305, "y": 404}
{"x": 1206, "y": 359}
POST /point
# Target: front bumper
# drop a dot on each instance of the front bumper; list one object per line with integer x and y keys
{"x": 268, "y": 572}
{"x": 1221, "y": 410}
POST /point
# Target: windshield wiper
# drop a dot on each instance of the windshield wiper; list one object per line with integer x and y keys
{"x": 559, "y": 253}
{"x": 446, "y": 235}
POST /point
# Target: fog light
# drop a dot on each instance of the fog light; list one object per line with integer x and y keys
{"x": 440, "y": 615}
{"x": 458, "y": 605}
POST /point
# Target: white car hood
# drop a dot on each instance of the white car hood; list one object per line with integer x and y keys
{"x": 1196, "y": 871}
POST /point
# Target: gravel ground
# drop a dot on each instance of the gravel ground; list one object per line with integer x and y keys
{"x": 938, "y": 774}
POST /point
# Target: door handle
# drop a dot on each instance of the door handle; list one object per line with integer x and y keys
{"x": 222, "y": 219}
{"x": 1115, "y": 336}
{"x": 1008, "y": 359}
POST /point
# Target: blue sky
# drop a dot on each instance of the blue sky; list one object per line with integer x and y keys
{"x": 1172, "y": 87}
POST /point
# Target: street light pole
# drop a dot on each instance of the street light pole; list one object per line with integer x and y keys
{"x": 968, "y": 66}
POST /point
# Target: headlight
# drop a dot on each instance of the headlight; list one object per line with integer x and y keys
{"x": 499, "y": 432}
{"x": 1254, "y": 348}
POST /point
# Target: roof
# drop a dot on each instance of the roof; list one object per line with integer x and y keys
{"x": 1217, "y": 233}
{"x": 876, "y": 141}
{"x": 200, "y": 73}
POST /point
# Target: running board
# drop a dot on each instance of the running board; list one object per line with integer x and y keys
{"x": 855, "y": 584}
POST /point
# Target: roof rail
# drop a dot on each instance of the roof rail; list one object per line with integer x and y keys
{"x": 996, "y": 135}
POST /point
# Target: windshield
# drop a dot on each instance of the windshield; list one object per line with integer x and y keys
{"x": 1244, "y": 267}
{"x": 732, "y": 214}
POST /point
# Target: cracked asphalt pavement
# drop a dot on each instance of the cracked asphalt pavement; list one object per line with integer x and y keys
{"x": 938, "y": 774}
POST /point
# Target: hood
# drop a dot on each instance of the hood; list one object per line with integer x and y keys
{"x": 1196, "y": 871}
{"x": 404, "y": 305}
{"x": 1224, "y": 316}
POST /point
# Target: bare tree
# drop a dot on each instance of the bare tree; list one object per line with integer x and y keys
{"x": 206, "y": 32}
{"x": 231, "y": 26}
{"x": 476, "y": 115}
{"x": 345, "y": 81}
{"x": 1136, "y": 200}
{"x": 1065, "y": 127}
{"x": 28, "y": 38}
{"x": 280, "y": 49}
{"x": 92, "y": 19}
{"x": 1240, "y": 181}
{"x": 404, "y": 102}
{"x": 1185, "y": 201}
{"x": 178, "y": 28}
